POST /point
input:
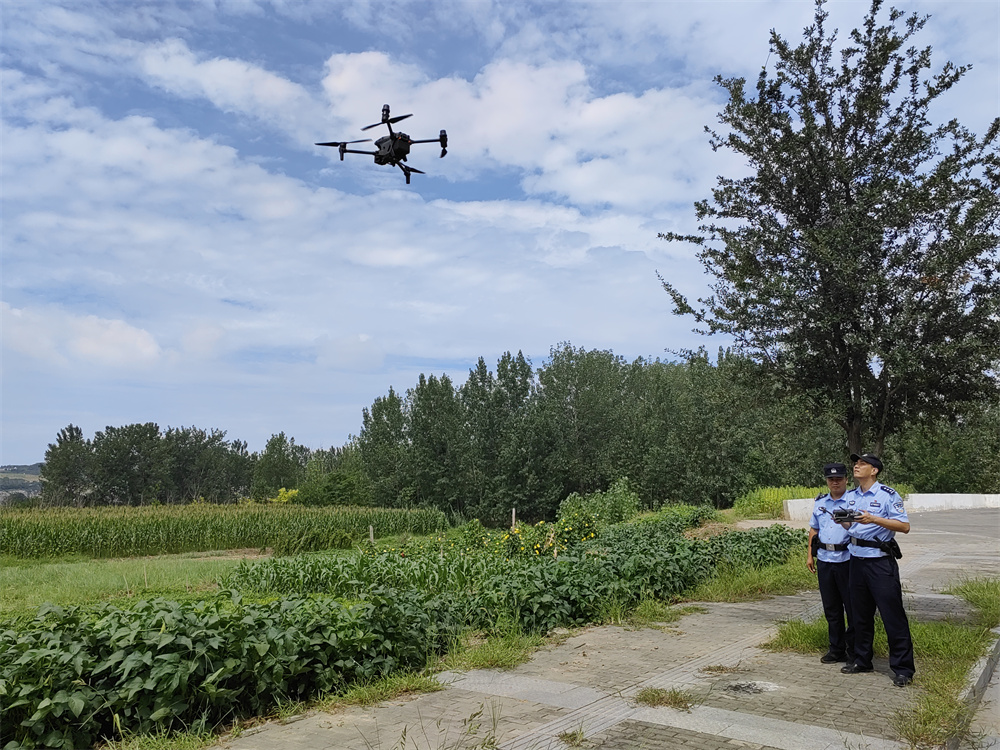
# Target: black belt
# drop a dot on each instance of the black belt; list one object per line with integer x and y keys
{"x": 833, "y": 547}
{"x": 889, "y": 549}
{"x": 866, "y": 543}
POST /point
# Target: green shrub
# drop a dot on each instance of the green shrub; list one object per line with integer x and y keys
{"x": 616, "y": 505}
{"x": 755, "y": 548}
{"x": 335, "y": 488}
{"x": 74, "y": 677}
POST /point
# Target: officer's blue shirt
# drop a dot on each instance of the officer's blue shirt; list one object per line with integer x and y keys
{"x": 829, "y": 531}
{"x": 879, "y": 500}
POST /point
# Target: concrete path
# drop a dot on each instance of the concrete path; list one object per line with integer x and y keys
{"x": 582, "y": 692}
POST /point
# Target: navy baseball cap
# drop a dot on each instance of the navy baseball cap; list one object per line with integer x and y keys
{"x": 835, "y": 470}
{"x": 868, "y": 458}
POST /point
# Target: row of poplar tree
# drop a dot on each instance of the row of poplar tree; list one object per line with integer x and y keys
{"x": 692, "y": 431}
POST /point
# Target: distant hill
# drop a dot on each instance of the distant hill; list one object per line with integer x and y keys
{"x": 30, "y": 469}
{"x": 19, "y": 479}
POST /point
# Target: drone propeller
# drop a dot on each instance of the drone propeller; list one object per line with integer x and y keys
{"x": 390, "y": 121}
{"x": 344, "y": 143}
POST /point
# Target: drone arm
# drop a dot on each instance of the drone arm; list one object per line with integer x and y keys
{"x": 442, "y": 139}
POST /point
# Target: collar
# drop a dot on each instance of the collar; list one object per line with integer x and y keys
{"x": 871, "y": 490}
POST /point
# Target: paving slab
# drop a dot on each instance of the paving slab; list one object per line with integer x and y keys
{"x": 584, "y": 688}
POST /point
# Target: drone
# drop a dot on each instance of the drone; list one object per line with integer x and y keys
{"x": 393, "y": 148}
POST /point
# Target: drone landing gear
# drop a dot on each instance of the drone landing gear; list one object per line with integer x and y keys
{"x": 407, "y": 170}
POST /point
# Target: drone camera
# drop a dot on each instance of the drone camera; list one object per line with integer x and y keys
{"x": 444, "y": 144}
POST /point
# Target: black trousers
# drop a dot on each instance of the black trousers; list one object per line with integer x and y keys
{"x": 875, "y": 584}
{"x": 835, "y": 591}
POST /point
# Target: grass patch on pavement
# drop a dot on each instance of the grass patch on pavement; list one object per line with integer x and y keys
{"x": 671, "y": 698}
{"x": 384, "y": 689}
{"x": 573, "y": 739}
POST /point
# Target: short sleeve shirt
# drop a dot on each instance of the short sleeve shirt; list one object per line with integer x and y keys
{"x": 879, "y": 500}
{"x": 829, "y": 531}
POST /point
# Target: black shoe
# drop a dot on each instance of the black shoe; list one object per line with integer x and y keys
{"x": 901, "y": 680}
{"x": 831, "y": 658}
{"x": 854, "y": 669}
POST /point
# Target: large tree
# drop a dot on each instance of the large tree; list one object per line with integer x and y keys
{"x": 859, "y": 259}
{"x": 66, "y": 473}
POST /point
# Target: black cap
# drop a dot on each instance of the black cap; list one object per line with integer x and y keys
{"x": 868, "y": 458}
{"x": 835, "y": 470}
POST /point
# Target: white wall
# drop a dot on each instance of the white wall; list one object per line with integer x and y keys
{"x": 918, "y": 502}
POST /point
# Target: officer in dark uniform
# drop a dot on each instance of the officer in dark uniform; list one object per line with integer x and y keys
{"x": 874, "y": 571}
{"x": 833, "y": 564}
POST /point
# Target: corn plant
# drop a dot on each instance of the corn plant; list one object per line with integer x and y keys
{"x": 155, "y": 530}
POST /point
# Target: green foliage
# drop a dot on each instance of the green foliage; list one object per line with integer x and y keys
{"x": 127, "y": 532}
{"x": 139, "y": 464}
{"x": 76, "y": 676}
{"x": 984, "y": 595}
{"x": 951, "y": 455}
{"x": 754, "y": 584}
{"x": 73, "y": 677}
{"x": 768, "y": 502}
{"x": 282, "y": 464}
{"x": 616, "y": 505}
{"x": 858, "y": 259}
{"x": 335, "y": 488}
{"x": 756, "y": 548}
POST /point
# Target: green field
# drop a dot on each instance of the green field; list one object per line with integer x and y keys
{"x": 25, "y": 585}
{"x": 173, "y": 529}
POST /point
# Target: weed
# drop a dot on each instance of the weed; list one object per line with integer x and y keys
{"x": 723, "y": 669}
{"x": 984, "y": 595}
{"x": 383, "y": 689}
{"x": 653, "y": 613}
{"x": 495, "y": 651}
{"x": 573, "y": 739}
{"x": 671, "y": 698}
{"x": 789, "y": 577}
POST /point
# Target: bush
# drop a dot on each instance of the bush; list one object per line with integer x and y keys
{"x": 616, "y": 505}
{"x": 755, "y": 548}
{"x": 335, "y": 488}
{"x": 74, "y": 677}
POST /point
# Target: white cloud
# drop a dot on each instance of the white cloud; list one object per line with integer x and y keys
{"x": 232, "y": 86}
{"x": 65, "y": 340}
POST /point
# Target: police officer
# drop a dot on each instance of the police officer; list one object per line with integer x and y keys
{"x": 833, "y": 564}
{"x": 874, "y": 571}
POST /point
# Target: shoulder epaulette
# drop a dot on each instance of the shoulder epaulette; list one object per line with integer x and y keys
{"x": 820, "y": 495}
{"x": 890, "y": 490}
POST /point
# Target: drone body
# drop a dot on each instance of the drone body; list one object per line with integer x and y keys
{"x": 393, "y": 148}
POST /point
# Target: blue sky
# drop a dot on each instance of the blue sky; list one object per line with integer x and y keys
{"x": 176, "y": 249}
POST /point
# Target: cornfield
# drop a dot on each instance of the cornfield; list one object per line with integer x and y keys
{"x": 158, "y": 530}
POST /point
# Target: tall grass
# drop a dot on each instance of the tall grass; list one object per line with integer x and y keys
{"x": 159, "y": 530}
{"x": 769, "y": 502}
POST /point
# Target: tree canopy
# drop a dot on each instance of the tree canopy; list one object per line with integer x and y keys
{"x": 858, "y": 261}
